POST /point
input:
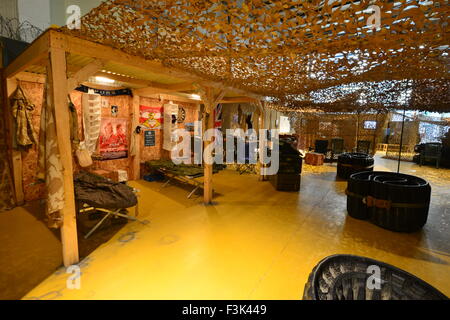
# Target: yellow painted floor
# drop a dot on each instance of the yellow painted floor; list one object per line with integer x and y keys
{"x": 254, "y": 243}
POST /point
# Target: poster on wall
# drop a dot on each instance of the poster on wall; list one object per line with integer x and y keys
{"x": 114, "y": 111}
{"x": 113, "y": 138}
{"x": 150, "y": 117}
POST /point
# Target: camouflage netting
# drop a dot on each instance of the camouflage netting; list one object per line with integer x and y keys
{"x": 293, "y": 51}
{"x": 349, "y": 127}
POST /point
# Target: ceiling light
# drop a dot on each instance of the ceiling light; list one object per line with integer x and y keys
{"x": 195, "y": 97}
{"x": 104, "y": 80}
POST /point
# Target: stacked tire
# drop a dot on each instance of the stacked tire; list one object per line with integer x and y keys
{"x": 346, "y": 277}
{"x": 350, "y": 163}
{"x": 394, "y": 201}
{"x": 288, "y": 176}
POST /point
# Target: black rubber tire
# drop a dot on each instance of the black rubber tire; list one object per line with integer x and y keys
{"x": 344, "y": 277}
{"x": 358, "y": 183}
{"x": 290, "y": 161}
{"x": 343, "y": 171}
{"x": 350, "y": 163}
{"x": 400, "y": 188}
{"x": 394, "y": 187}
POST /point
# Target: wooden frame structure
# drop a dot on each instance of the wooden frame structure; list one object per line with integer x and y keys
{"x": 46, "y": 60}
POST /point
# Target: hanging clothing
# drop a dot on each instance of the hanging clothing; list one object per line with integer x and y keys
{"x": 248, "y": 121}
{"x": 50, "y": 168}
{"x": 73, "y": 122}
{"x": 22, "y": 110}
{"x": 6, "y": 185}
{"x": 228, "y": 111}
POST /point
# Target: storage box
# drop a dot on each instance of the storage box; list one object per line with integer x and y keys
{"x": 315, "y": 159}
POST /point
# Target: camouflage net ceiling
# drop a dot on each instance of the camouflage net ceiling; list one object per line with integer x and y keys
{"x": 329, "y": 54}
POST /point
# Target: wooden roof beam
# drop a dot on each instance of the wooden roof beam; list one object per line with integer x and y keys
{"x": 91, "y": 49}
{"x": 124, "y": 79}
{"x": 184, "y": 86}
{"x": 34, "y": 53}
{"x": 150, "y": 87}
{"x": 164, "y": 96}
{"x": 155, "y": 89}
{"x": 31, "y": 77}
{"x": 84, "y": 73}
{"x": 239, "y": 100}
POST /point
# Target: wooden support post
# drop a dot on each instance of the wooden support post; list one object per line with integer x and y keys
{"x": 57, "y": 78}
{"x": 136, "y": 156}
{"x": 208, "y": 188}
{"x": 375, "y": 134}
{"x": 83, "y": 74}
{"x": 260, "y": 165}
{"x": 357, "y": 132}
{"x": 210, "y": 102}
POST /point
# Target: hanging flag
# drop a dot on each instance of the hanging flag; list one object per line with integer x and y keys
{"x": 218, "y": 116}
{"x": 150, "y": 117}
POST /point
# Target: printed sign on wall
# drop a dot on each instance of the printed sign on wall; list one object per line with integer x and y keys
{"x": 149, "y": 138}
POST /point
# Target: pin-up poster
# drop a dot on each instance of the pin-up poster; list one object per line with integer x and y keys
{"x": 150, "y": 117}
{"x": 113, "y": 138}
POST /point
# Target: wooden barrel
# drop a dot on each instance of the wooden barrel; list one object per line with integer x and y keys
{"x": 350, "y": 163}
{"x": 345, "y": 277}
{"x": 394, "y": 201}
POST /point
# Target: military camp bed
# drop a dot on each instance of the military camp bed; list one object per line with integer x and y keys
{"x": 188, "y": 174}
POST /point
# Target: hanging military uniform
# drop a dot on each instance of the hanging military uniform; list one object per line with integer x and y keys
{"x": 50, "y": 168}
{"x": 22, "y": 110}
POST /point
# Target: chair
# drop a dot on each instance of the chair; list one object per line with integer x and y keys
{"x": 363, "y": 146}
{"x": 337, "y": 148}
{"x": 431, "y": 151}
{"x": 321, "y": 146}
